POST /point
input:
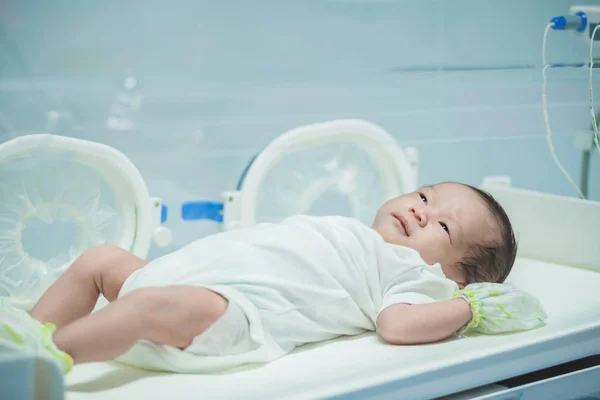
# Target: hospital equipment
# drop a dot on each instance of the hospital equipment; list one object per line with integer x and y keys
{"x": 584, "y": 22}
{"x": 559, "y": 263}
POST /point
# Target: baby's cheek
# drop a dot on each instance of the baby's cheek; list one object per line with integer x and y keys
{"x": 431, "y": 247}
{"x": 391, "y": 235}
{"x": 382, "y": 230}
{"x": 441, "y": 237}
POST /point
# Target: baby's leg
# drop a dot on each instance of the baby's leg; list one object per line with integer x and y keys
{"x": 171, "y": 315}
{"x": 101, "y": 269}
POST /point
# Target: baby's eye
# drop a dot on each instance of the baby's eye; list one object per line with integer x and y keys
{"x": 445, "y": 227}
{"x": 423, "y": 198}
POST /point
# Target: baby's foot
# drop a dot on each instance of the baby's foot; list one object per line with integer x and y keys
{"x": 22, "y": 330}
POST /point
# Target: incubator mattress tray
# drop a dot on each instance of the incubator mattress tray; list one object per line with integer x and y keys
{"x": 364, "y": 366}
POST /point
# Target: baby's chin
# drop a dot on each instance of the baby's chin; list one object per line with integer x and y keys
{"x": 392, "y": 236}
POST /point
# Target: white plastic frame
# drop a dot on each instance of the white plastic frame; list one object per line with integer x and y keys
{"x": 398, "y": 166}
{"x": 137, "y": 210}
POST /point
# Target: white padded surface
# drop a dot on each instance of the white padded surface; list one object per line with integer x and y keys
{"x": 569, "y": 296}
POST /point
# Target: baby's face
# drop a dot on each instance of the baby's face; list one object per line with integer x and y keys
{"x": 441, "y": 222}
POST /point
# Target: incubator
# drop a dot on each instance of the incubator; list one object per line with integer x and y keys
{"x": 559, "y": 262}
{"x": 97, "y": 195}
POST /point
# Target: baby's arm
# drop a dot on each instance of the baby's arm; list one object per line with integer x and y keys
{"x": 423, "y": 323}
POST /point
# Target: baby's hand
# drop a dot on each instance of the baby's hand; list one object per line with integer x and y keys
{"x": 500, "y": 308}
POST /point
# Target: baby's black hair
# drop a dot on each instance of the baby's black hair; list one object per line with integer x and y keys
{"x": 491, "y": 262}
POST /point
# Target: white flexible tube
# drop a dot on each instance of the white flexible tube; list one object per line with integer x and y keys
{"x": 547, "y": 120}
{"x": 548, "y": 27}
{"x": 591, "y": 89}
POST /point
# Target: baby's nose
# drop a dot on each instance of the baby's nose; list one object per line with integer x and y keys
{"x": 420, "y": 216}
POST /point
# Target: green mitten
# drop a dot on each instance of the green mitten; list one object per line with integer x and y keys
{"x": 500, "y": 308}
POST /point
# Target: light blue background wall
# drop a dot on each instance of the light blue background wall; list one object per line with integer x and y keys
{"x": 221, "y": 79}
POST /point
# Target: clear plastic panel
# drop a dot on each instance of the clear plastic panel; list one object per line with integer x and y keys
{"x": 330, "y": 179}
{"x": 52, "y": 208}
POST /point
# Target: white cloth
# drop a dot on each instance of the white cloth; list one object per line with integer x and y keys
{"x": 229, "y": 335}
{"x": 303, "y": 280}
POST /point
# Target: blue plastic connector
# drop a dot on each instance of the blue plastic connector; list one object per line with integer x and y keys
{"x": 577, "y": 22}
{"x": 164, "y": 213}
{"x": 558, "y": 23}
{"x": 584, "y": 21}
{"x": 195, "y": 210}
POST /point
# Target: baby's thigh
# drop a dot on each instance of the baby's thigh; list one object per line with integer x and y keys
{"x": 109, "y": 266}
{"x": 175, "y": 315}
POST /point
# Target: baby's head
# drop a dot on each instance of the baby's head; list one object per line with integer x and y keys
{"x": 458, "y": 226}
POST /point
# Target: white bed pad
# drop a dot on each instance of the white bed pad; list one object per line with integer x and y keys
{"x": 365, "y": 367}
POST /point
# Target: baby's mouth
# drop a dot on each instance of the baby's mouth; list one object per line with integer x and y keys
{"x": 403, "y": 223}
